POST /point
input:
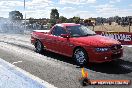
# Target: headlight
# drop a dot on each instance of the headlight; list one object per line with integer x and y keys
{"x": 101, "y": 49}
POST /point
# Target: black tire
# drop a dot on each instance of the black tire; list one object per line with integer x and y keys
{"x": 80, "y": 56}
{"x": 38, "y": 46}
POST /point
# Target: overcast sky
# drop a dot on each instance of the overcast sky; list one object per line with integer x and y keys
{"x": 68, "y": 8}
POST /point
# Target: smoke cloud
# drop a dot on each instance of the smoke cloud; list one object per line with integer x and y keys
{"x": 14, "y": 27}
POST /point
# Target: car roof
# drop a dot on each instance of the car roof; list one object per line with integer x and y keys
{"x": 67, "y": 24}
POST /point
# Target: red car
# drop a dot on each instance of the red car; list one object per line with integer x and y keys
{"x": 77, "y": 41}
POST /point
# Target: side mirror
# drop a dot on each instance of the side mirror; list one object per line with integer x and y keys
{"x": 65, "y": 35}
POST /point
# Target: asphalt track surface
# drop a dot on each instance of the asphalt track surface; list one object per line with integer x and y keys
{"x": 58, "y": 70}
{"x": 14, "y": 77}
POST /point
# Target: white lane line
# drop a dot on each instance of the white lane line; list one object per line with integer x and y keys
{"x": 37, "y": 79}
{"x": 17, "y": 62}
{"x": 127, "y": 45}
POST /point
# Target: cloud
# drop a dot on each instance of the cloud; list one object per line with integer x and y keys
{"x": 69, "y": 12}
{"x": 11, "y": 3}
{"x": 8, "y": 0}
{"x": 77, "y": 1}
{"x": 67, "y": 8}
{"x": 124, "y": 12}
{"x": 38, "y": 2}
{"x": 39, "y": 8}
{"x": 6, "y": 6}
{"x": 108, "y": 10}
{"x": 114, "y": 1}
{"x": 33, "y": 6}
{"x": 103, "y": 6}
{"x": 38, "y": 14}
{"x": 105, "y": 10}
{"x": 86, "y": 14}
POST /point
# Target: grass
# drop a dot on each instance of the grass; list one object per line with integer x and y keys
{"x": 114, "y": 27}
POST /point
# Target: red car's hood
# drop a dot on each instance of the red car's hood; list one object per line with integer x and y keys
{"x": 96, "y": 41}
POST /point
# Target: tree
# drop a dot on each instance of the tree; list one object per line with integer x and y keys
{"x": 31, "y": 20}
{"x": 15, "y": 15}
{"x": 70, "y": 20}
{"x": 63, "y": 19}
{"x": 54, "y": 14}
{"x": 76, "y": 19}
{"x": 53, "y": 22}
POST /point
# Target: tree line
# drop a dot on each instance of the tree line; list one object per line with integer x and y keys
{"x": 55, "y": 18}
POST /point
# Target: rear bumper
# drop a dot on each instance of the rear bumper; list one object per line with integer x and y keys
{"x": 105, "y": 56}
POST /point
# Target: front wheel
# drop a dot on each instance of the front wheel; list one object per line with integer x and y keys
{"x": 80, "y": 56}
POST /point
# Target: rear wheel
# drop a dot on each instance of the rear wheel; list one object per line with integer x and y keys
{"x": 38, "y": 47}
{"x": 80, "y": 56}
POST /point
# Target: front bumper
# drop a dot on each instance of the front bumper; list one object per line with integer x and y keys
{"x": 99, "y": 57}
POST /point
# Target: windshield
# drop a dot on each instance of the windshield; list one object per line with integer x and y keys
{"x": 79, "y": 31}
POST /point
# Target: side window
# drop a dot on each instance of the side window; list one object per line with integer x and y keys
{"x": 57, "y": 31}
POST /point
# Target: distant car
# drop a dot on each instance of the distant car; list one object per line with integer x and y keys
{"x": 77, "y": 41}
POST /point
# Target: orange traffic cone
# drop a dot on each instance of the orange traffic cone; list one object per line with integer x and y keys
{"x": 84, "y": 79}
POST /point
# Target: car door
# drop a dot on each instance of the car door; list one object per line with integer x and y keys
{"x": 51, "y": 39}
{"x": 61, "y": 45}
{"x": 55, "y": 34}
{"x": 49, "y": 42}
{"x": 65, "y": 46}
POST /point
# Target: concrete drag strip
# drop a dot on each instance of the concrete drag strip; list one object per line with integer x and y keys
{"x": 14, "y": 77}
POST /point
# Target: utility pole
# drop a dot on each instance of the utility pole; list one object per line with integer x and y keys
{"x": 25, "y": 14}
